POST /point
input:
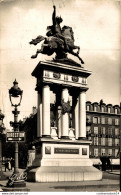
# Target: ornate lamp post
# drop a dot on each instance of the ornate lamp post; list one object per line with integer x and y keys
{"x": 16, "y": 180}
{"x": 2, "y": 177}
{"x": 15, "y": 92}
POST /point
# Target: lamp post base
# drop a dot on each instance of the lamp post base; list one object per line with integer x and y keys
{"x": 15, "y": 189}
{"x": 17, "y": 180}
{"x": 19, "y": 186}
{"x": 2, "y": 176}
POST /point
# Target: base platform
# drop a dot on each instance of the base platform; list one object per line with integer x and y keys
{"x": 59, "y": 174}
{"x": 62, "y": 160}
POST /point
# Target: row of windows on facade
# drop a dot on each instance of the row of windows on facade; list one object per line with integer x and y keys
{"x": 97, "y": 108}
{"x": 105, "y": 141}
{"x": 104, "y": 152}
{"x": 105, "y": 131}
{"x": 103, "y": 120}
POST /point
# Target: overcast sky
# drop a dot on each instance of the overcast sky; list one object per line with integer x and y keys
{"x": 96, "y": 26}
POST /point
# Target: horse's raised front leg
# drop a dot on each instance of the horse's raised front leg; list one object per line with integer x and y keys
{"x": 80, "y": 59}
{"x": 75, "y": 54}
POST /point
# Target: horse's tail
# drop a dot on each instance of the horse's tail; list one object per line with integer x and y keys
{"x": 37, "y": 40}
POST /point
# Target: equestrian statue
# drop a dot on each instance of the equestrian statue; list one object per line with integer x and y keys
{"x": 58, "y": 40}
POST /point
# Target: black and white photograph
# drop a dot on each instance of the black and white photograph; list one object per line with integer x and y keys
{"x": 60, "y": 105}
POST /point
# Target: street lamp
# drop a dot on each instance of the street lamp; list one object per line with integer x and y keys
{"x": 15, "y": 92}
{"x": 2, "y": 176}
{"x": 15, "y": 95}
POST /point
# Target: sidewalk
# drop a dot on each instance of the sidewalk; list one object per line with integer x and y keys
{"x": 110, "y": 182}
{"x": 115, "y": 172}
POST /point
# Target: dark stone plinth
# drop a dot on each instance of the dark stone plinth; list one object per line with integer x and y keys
{"x": 20, "y": 184}
{"x": 65, "y": 137}
{"x": 67, "y": 61}
{"x": 46, "y": 136}
{"x": 82, "y": 138}
{"x": 61, "y": 68}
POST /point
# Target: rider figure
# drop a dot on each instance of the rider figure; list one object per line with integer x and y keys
{"x": 55, "y": 29}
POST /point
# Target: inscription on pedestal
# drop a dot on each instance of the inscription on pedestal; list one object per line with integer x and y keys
{"x": 66, "y": 151}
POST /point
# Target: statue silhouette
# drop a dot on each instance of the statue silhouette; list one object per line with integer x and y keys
{"x": 58, "y": 40}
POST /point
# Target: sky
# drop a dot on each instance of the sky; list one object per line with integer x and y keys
{"x": 96, "y": 26}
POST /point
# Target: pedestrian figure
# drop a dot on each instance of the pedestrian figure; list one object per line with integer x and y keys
{"x": 108, "y": 163}
{"x": 6, "y": 165}
{"x": 12, "y": 163}
{"x": 111, "y": 166}
{"x": 9, "y": 165}
{"x": 99, "y": 165}
{"x": 103, "y": 160}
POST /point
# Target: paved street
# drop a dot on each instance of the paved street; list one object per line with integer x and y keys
{"x": 110, "y": 182}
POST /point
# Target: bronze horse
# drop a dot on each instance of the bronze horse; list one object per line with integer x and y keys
{"x": 56, "y": 44}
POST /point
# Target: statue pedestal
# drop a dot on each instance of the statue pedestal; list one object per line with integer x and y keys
{"x": 62, "y": 152}
{"x": 63, "y": 160}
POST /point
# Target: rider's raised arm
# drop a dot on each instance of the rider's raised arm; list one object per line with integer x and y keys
{"x": 54, "y": 17}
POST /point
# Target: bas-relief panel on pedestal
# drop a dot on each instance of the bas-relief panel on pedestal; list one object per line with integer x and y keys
{"x": 57, "y": 77}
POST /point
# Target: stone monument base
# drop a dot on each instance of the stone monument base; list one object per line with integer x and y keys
{"x": 59, "y": 174}
{"x": 62, "y": 160}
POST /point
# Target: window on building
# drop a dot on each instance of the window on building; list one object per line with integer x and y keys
{"x": 110, "y": 152}
{"x": 116, "y": 142}
{"x": 102, "y": 151}
{"x": 95, "y": 108}
{"x": 96, "y": 141}
{"x": 88, "y": 108}
{"x": 109, "y": 141}
{"x": 103, "y": 141}
{"x": 110, "y": 121}
{"x": 103, "y": 130}
{"x": 103, "y": 120}
{"x": 96, "y": 152}
{"x": 95, "y": 120}
{"x": 116, "y": 121}
{"x": 102, "y": 109}
{"x": 116, "y": 110}
{"x": 116, "y": 152}
{"x": 109, "y": 109}
{"x": 95, "y": 130}
{"x": 110, "y": 131}
{"x": 89, "y": 118}
{"x": 116, "y": 131}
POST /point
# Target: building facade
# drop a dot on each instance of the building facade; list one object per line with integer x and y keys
{"x": 103, "y": 129}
